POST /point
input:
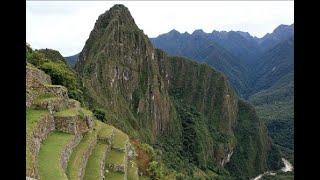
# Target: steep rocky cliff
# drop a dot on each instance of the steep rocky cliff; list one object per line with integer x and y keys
{"x": 183, "y": 108}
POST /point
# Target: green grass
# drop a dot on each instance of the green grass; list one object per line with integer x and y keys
{"x": 86, "y": 111}
{"x": 68, "y": 112}
{"x": 93, "y": 165}
{"x": 144, "y": 178}
{"x": 114, "y": 175}
{"x": 132, "y": 171}
{"x": 32, "y": 118}
{"x": 105, "y": 132}
{"x": 49, "y": 156}
{"x": 48, "y": 99}
{"x": 73, "y": 112}
{"x": 116, "y": 157}
{"x": 76, "y": 158}
{"x": 120, "y": 139}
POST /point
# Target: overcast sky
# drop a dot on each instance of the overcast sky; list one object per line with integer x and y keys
{"x": 65, "y": 26}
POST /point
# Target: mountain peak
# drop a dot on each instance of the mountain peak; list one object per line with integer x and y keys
{"x": 198, "y": 32}
{"x": 119, "y": 12}
{"x": 173, "y": 31}
{"x": 283, "y": 28}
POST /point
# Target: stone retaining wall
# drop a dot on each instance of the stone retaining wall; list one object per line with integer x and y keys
{"x": 40, "y": 132}
{"x": 121, "y": 167}
{"x": 86, "y": 157}
{"x": 71, "y": 124}
{"x": 35, "y": 80}
{"x": 57, "y": 90}
{"x": 103, "y": 162}
{"x": 108, "y": 140}
{"x": 52, "y": 104}
{"x": 73, "y": 103}
{"x": 66, "y": 153}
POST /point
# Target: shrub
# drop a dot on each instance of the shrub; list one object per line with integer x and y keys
{"x": 99, "y": 114}
{"x": 76, "y": 94}
{"x": 155, "y": 170}
{"x": 34, "y": 58}
{"x": 60, "y": 74}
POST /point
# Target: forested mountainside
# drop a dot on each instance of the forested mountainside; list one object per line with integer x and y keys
{"x": 260, "y": 69}
{"x": 275, "y": 101}
{"x": 200, "y": 48}
{"x": 186, "y": 110}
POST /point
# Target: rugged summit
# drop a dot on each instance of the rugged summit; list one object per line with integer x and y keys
{"x": 119, "y": 69}
{"x": 185, "y": 109}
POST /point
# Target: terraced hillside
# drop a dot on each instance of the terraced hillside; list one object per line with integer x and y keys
{"x": 65, "y": 141}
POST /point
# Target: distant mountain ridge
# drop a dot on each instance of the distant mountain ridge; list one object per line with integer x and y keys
{"x": 72, "y": 60}
{"x": 259, "y": 69}
{"x": 245, "y": 49}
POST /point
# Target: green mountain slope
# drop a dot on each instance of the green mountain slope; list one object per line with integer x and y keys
{"x": 260, "y": 69}
{"x": 275, "y": 106}
{"x": 273, "y": 65}
{"x": 200, "y": 47}
{"x": 188, "y": 111}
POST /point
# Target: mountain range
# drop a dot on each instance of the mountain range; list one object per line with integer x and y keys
{"x": 188, "y": 111}
{"x": 261, "y": 70}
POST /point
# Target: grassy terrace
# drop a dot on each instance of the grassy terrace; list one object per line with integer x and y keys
{"x": 42, "y": 100}
{"x": 120, "y": 139}
{"x": 114, "y": 175}
{"x": 32, "y": 118}
{"x": 45, "y": 96}
{"x": 115, "y": 157}
{"x": 93, "y": 165}
{"x": 73, "y": 112}
{"x": 49, "y": 156}
{"x": 105, "y": 131}
{"x": 132, "y": 171}
{"x": 76, "y": 158}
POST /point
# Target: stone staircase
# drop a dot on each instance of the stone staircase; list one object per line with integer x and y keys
{"x": 65, "y": 141}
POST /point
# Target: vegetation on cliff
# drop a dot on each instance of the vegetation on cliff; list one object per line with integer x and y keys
{"x": 52, "y": 63}
{"x": 186, "y": 110}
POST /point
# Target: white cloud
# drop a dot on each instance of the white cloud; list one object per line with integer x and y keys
{"x": 65, "y": 26}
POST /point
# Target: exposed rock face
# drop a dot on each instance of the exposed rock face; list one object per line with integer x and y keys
{"x": 146, "y": 92}
{"x": 118, "y": 68}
